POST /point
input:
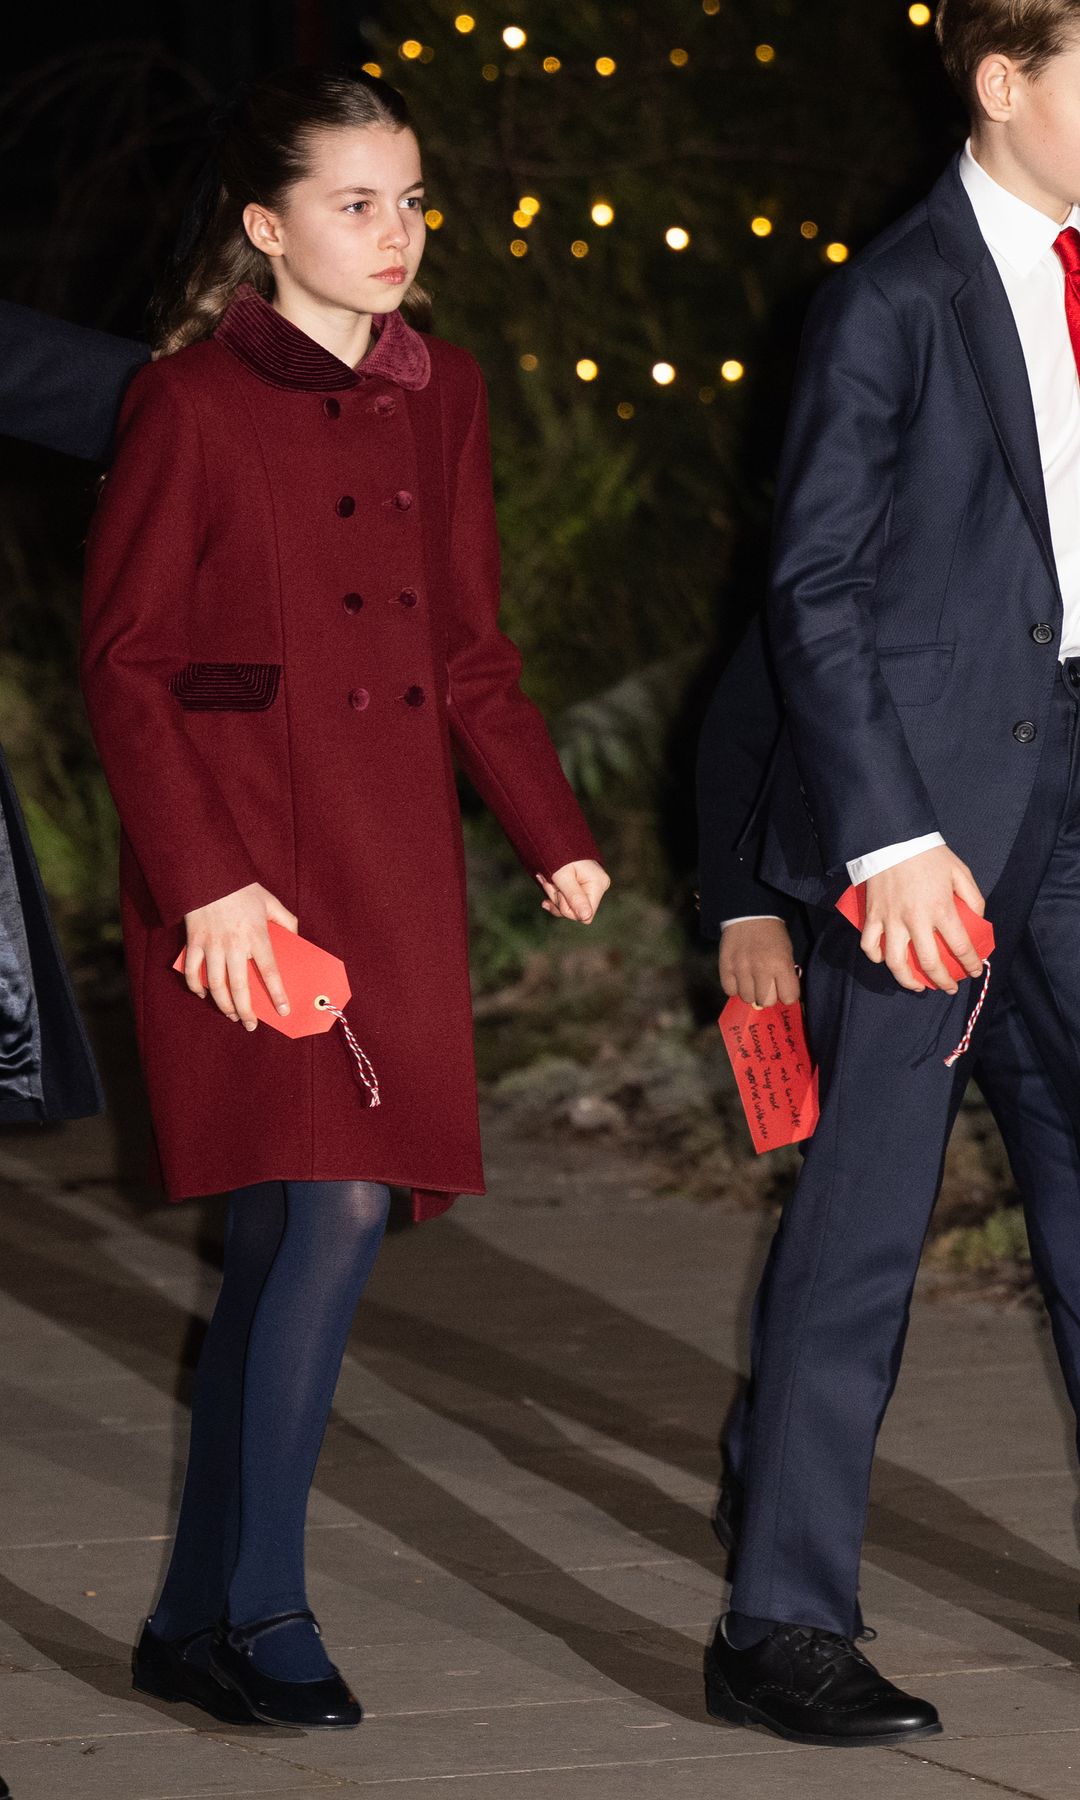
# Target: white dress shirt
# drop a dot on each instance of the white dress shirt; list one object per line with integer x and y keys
{"x": 1021, "y": 242}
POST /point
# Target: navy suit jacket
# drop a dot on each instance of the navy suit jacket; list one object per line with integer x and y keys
{"x": 61, "y": 387}
{"x": 912, "y": 564}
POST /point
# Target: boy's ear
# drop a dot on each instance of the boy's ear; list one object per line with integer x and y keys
{"x": 263, "y": 229}
{"x": 995, "y": 80}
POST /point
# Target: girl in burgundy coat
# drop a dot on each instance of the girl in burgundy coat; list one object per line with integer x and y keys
{"x": 290, "y": 625}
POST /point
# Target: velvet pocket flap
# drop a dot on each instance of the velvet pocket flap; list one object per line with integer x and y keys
{"x": 226, "y": 687}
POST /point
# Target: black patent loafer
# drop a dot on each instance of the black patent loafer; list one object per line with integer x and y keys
{"x": 164, "y": 1667}
{"x": 323, "y": 1705}
{"x": 811, "y": 1687}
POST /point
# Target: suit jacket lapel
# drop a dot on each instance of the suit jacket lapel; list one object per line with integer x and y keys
{"x": 993, "y": 343}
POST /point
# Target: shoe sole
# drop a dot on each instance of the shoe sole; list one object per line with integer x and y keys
{"x": 263, "y": 1718}
{"x": 226, "y": 1718}
{"x": 722, "y": 1704}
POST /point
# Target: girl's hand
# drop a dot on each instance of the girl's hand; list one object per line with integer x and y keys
{"x": 575, "y": 891}
{"x": 757, "y": 962}
{"x": 226, "y": 935}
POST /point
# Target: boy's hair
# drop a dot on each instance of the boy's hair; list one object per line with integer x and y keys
{"x": 1032, "y": 32}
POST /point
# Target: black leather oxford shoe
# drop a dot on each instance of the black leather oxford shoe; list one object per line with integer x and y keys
{"x": 324, "y": 1705}
{"x": 165, "y": 1667}
{"x": 811, "y": 1687}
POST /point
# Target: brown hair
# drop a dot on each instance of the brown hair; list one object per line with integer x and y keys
{"x": 262, "y": 150}
{"x": 1031, "y": 32}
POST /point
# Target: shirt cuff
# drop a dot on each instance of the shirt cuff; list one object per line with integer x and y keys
{"x": 747, "y": 919}
{"x": 879, "y": 860}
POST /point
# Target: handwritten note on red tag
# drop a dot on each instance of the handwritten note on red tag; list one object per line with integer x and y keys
{"x": 777, "y": 1083}
{"x": 309, "y": 974}
{"x": 852, "y": 903}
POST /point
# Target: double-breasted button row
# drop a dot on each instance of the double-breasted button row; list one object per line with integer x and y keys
{"x": 385, "y": 406}
{"x": 353, "y": 603}
{"x": 346, "y": 505}
{"x": 360, "y": 699}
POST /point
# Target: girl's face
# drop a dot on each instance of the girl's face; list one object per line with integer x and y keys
{"x": 351, "y": 232}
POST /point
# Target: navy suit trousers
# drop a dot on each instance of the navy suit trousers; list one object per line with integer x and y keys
{"x": 830, "y": 1334}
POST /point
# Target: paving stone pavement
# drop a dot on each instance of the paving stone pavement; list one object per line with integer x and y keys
{"x": 509, "y": 1541}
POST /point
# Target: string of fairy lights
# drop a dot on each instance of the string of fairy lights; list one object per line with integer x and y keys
{"x": 602, "y": 211}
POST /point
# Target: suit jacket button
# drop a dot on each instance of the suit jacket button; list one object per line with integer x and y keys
{"x": 332, "y": 408}
{"x": 345, "y": 507}
{"x": 358, "y": 699}
{"x": 1043, "y": 634}
{"x": 1025, "y": 732}
{"x": 408, "y": 597}
{"x": 414, "y": 696}
{"x": 403, "y": 500}
{"x": 353, "y": 602}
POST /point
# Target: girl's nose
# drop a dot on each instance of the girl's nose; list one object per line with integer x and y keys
{"x": 396, "y": 232}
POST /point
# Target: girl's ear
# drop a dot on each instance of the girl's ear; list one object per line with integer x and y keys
{"x": 263, "y": 229}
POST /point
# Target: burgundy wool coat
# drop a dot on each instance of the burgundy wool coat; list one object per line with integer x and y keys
{"x": 290, "y": 626}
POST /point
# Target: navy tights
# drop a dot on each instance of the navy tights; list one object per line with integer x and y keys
{"x": 297, "y": 1256}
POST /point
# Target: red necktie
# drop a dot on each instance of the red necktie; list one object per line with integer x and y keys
{"x": 1067, "y": 245}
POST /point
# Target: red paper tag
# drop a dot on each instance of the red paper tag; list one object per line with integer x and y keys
{"x": 852, "y": 904}
{"x": 309, "y": 974}
{"x": 777, "y": 1083}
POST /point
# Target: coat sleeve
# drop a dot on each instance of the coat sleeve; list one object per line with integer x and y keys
{"x": 61, "y": 384}
{"x": 500, "y": 737}
{"x": 141, "y": 565}
{"x": 735, "y": 748}
{"x": 853, "y": 392}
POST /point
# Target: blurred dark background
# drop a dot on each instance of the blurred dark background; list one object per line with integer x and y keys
{"x": 638, "y": 386}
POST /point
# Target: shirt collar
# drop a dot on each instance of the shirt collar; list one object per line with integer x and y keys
{"x": 1020, "y": 234}
{"x": 283, "y": 355}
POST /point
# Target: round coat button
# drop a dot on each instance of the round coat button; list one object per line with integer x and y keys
{"x": 358, "y": 699}
{"x": 1043, "y": 634}
{"x": 346, "y": 506}
{"x": 408, "y": 597}
{"x": 353, "y": 602}
{"x": 414, "y": 696}
{"x": 385, "y": 406}
{"x": 332, "y": 408}
{"x": 403, "y": 500}
{"x": 1025, "y": 732}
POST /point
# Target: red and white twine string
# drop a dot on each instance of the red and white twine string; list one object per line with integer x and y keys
{"x": 965, "y": 1042}
{"x": 363, "y": 1061}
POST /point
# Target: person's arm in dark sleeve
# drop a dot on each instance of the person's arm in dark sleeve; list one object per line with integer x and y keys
{"x": 61, "y": 384}
{"x": 854, "y": 392}
{"x": 734, "y": 752}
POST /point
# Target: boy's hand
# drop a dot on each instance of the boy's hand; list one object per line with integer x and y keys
{"x": 575, "y": 891}
{"x": 908, "y": 904}
{"x": 226, "y": 935}
{"x": 757, "y": 963}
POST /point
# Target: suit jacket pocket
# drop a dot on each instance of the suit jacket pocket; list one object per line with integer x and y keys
{"x": 226, "y": 687}
{"x": 915, "y": 674}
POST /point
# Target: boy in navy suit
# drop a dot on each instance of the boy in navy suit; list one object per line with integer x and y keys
{"x": 924, "y": 619}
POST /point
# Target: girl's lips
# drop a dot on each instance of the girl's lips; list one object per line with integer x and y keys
{"x": 394, "y": 276}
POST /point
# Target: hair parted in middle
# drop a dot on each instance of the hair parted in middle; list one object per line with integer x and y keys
{"x": 263, "y": 148}
{"x": 1031, "y": 32}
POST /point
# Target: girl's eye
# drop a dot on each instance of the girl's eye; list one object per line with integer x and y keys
{"x": 355, "y": 205}
{"x": 417, "y": 202}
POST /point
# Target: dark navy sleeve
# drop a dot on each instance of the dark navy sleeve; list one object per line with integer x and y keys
{"x": 734, "y": 752}
{"x": 61, "y": 384}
